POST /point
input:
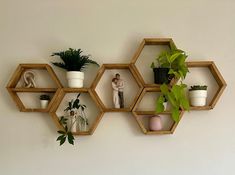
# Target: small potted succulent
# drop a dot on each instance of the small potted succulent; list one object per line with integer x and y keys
{"x": 170, "y": 64}
{"x": 44, "y": 100}
{"x": 74, "y": 62}
{"x": 198, "y": 95}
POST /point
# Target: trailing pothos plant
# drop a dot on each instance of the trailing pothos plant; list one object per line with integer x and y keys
{"x": 176, "y": 97}
{"x": 74, "y": 110}
{"x": 174, "y": 59}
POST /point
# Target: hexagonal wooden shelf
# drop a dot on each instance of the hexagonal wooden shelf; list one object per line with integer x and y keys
{"x": 140, "y": 113}
{"x": 217, "y": 76}
{"x": 146, "y": 42}
{"x": 145, "y": 130}
{"x": 13, "y": 89}
{"x": 99, "y": 76}
{"x": 58, "y": 101}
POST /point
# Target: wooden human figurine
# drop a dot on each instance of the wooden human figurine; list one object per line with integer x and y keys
{"x": 120, "y": 84}
{"x": 116, "y": 102}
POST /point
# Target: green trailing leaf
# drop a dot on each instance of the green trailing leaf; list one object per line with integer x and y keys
{"x": 164, "y": 89}
{"x": 160, "y": 106}
{"x": 61, "y": 132}
{"x": 175, "y": 114}
{"x": 62, "y": 141}
{"x": 70, "y": 138}
{"x": 60, "y": 137}
{"x": 176, "y": 97}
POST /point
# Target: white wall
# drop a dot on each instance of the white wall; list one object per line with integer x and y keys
{"x": 30, "y": 31}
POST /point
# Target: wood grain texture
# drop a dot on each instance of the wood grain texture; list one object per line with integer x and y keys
{"x": 13, "y": 90}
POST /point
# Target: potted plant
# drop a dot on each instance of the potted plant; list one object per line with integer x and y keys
{"x": 44, "y": 100}
{"x": 198, "y": 95}
{"x": 170, "y": 64}
{"x": 177, "y": 98}
{"x": 74, "y": 62}
{"x": 175, "y": 94}
{"x": 74, "y": 120}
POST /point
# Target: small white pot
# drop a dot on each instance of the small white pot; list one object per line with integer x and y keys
{"x": 44, "y": 103}
{"x": 198, "y": 97}
{"x": 75, "y": 79}
{"x": 165, "y": 106}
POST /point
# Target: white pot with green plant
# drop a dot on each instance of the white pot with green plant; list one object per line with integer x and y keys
{"x": 198, "y": 95}
{"x": 73, "y": 121}
{"x": 175, "y": 94}
{"x": 74, "y": 62}
{"x": 44, "y": 100}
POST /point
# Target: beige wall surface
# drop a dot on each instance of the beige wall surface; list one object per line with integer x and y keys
{"x": 111, "y": 31}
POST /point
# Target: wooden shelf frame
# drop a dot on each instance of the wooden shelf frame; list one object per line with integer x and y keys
{"x": 218, "y": 78}
{"x": 99, "y": 76}
{"x": 59, "y": 99}
{"x": 60, "y": 92}
{"x": 13, "y": 90}
{"x": 138, "y": 114}
{"x": 146, "y": 42}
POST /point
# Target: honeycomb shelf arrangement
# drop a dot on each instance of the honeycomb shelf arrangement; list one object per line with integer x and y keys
{"x": 137, "y": 77}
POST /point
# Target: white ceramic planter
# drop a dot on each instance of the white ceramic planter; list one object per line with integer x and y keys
{"x": 155, "y": 123}
{"x": 198, "y": 97}
{"x": 44, "y": 103}
{"x": 75, "y": 79}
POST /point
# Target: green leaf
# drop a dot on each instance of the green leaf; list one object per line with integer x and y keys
{"x": 70, "y": 138}
{"x": 173, "y": 57}
{"x": 172, "y": 99}
{"x": 164, "y": 89}
{"x": 61, "y": 132}
{"x": 62, "y": 141}
{"x": 159, "y": 104}
{"x": 60, "y": 137}
{"x": 185, "y": 104}
{"x": 175, "y": 114}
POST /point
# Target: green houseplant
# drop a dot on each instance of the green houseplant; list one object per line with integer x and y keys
{"x": 74, "y": 62}
{"x": 73, "y": 120}
{"x": 176, "y": 97}
{"x": 170, "y": 64}
{"x": 44, "y": 100}
{"x": 198, "y": 95}
{"x": 174, "y": 60}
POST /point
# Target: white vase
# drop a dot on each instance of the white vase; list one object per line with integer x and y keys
{"x": 44, "y": 103}
{"x": 198, "y": 97}
{"x": 165, "y": 106}
{"x": 73, "y": 124}
{"x": 75, "y": 79}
